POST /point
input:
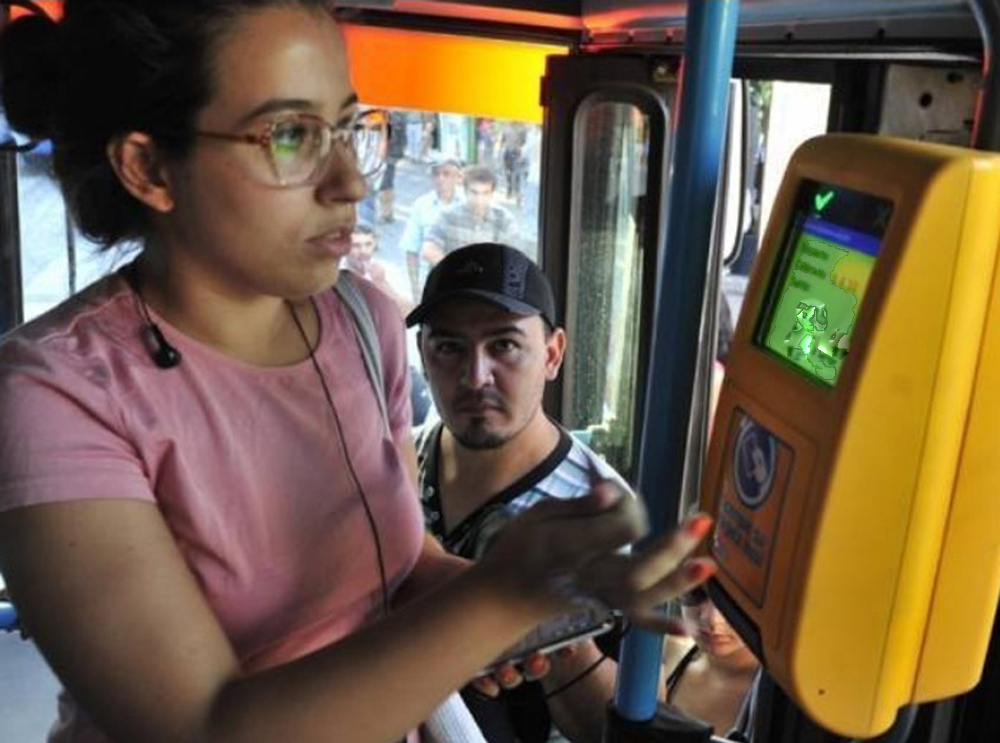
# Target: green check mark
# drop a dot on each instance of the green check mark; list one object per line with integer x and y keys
{"x": 820, "y": 200}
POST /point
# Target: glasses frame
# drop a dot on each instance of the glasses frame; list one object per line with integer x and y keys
{"x": 342, "y": 135}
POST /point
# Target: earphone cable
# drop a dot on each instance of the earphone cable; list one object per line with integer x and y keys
{"x": 343, "y": 445}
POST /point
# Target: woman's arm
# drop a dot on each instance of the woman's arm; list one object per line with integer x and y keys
{"x": 124, "y": 625}
{"x": 102, "y": 587}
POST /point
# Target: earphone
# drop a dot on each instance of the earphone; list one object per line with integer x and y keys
{"x": 159, "y": 349}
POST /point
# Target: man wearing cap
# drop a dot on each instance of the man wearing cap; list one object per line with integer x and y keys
{"x": 490, "y": 342}
{"x": 424, "y": 213}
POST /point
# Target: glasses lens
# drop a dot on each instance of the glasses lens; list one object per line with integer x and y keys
{"x": 370, "y": 139}
{"x": 694, "y": 597}
{"x": 297, "y": 147}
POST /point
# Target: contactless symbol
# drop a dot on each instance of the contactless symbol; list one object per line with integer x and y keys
{"x": 754, "y": 463}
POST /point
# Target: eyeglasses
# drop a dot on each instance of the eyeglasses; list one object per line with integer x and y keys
{"x": 694, "y": 597}
{"x": 298, "y": 146}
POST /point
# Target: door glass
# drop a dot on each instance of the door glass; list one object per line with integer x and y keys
{"x": 605, "y": 277}
{"x": 449, "y": 180}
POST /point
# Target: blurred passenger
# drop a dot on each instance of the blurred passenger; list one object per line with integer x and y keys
{"x": 712, "y": 675}
{"x": 513, "y": 140}
{"x": 396, "y": 151}
{"x": 476, "y": 220}
{"x": 362, "y": 261}
{"x": 447, "y": 175}
{"x": 387, "y": 277}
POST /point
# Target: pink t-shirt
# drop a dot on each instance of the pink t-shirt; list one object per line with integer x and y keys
{"x": 245, "y": 463}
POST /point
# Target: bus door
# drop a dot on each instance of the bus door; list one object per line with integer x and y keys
{"x": 606, "y": 150}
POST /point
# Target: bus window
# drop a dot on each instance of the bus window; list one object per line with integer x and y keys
{"x": 430, "y": 158}
{"x": 55, "y": 259}
{"x": 449, "y": 180}
{"x": 605, "y": 269}
{"x": 780, "y": 115}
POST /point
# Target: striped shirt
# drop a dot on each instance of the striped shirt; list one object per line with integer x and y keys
{"x": 564, "y": 473}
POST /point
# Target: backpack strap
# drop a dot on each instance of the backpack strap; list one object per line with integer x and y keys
{"x": 364, "y": 330}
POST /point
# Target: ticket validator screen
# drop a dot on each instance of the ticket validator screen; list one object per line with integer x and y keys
{"x": 833, "y": 240}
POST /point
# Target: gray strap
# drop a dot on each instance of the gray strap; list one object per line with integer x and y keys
{"x": 364, "y": 329}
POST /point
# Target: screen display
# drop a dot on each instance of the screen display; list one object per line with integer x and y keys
{"x": 833, "y": 240}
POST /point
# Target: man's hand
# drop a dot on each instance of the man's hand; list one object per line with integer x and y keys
{"x": 510, "y": 675}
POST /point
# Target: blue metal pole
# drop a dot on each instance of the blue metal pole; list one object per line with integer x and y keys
{"x": 8, "y": 617}
{"x": 709, "y": 45}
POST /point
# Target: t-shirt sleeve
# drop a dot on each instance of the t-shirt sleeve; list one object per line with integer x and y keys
{"x": 61, "y": 434}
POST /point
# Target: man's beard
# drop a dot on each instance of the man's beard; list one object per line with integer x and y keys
{"x": 479, "y": 439}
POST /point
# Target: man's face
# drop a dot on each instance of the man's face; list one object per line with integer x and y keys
{"x": 487, "y": 369}
{"x": 446, "y": 180}
{"x": 479, "y": 196}
{"x": 362, "y": 251}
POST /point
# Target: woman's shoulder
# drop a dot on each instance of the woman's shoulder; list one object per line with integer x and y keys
{"x": 98, "y": 323}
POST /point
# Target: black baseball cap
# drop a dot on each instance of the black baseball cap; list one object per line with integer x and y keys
{"x": 490, "y": 272}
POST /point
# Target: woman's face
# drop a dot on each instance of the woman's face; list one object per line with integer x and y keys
{"x": 710, "y": 630}
{"x": 238, "y": 234}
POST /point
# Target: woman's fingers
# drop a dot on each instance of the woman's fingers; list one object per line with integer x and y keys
{"x": 606, "y": 519}
{"x": 661, "y": 570}
{"x": 646, "y": 609}
{"x": 661, "y": 557}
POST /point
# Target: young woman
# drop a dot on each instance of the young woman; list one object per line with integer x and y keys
{"x": 203, "y": 518}
{"x": 713, "y": 677}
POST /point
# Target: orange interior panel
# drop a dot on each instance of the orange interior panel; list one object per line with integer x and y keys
{"x": 441, "y": 72}
{"x": 52, "y": 9}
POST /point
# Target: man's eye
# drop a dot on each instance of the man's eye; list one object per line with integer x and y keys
{"x": 446, "y": 348}
{"x": 505, "y": 345}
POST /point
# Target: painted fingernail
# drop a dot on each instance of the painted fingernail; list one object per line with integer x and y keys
{"x": 699, "y": 570}
{"x": 699, "y": 526}
{"x": 536, "y": 665}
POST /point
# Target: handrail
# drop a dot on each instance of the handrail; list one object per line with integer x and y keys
{"x": 8, "y": 617}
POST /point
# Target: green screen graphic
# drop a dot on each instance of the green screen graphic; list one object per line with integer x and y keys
{"x": 833, "y": 244}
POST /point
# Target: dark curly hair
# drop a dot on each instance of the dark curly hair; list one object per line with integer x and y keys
{"x": 108, "y": 68}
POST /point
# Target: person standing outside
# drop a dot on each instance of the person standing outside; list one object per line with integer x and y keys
{"x": 362, "y": 262}
{"x": 447, "y": 175}
{"x": 475, "y": 220}
{"x": 396, "y": 151}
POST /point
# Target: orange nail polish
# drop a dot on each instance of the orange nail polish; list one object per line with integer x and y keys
{"x": 699, "y": 526}
{"x": 699, "y": 570}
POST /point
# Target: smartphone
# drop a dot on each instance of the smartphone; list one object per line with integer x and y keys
{"x": 557, "y": 633}
{"x": 565, "y": 629}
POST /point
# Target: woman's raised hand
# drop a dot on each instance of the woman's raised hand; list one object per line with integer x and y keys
{"x": 561, "y": 552}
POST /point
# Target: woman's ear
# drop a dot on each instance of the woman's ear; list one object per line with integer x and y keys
{"x": 137, "y": 163}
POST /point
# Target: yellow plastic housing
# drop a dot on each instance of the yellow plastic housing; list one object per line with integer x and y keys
{"x": 882, "y": 558}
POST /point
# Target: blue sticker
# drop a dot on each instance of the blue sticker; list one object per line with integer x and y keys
{"x": 755, "y": 459}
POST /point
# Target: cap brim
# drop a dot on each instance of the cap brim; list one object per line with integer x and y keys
{"x": 515, "y": 306}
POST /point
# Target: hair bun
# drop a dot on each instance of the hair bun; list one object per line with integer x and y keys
{"x": 29, "y": 74}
